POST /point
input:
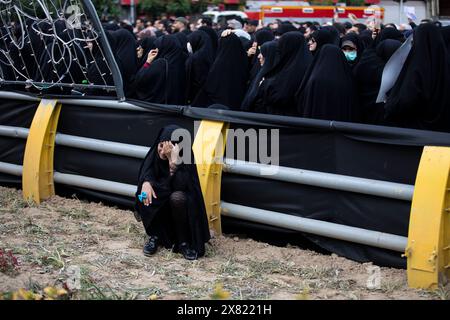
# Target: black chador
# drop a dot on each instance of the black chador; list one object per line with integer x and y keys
{"x": 328, "y": 91}
{"x": 164, "y": 81}
{"x": 283, "y": 80}
{"x": 226, "y": 83}
{"x": 420, "y": 98}
{"x": 199, "y": 63}
{"x": 177, "y": 216}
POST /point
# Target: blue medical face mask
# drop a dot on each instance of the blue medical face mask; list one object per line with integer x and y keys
{"x": 351, "y": 55}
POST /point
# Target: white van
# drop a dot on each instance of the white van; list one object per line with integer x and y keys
{"x": 222, "y": 17}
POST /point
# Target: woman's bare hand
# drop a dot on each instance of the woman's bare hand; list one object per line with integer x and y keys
{"x": 252, "y": 50}
{"x": 167, "y": 148}
{"x": 175, "y": 154}
{"x": 226, "y": 33}
{"x": 147, "y": 188}
{"x": 152, "y": 55}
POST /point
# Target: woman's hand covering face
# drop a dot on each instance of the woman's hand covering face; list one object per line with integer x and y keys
{"x": 175, "y": 154}
{"x": 167, "y": 149}
{"x": 164, "y": 150}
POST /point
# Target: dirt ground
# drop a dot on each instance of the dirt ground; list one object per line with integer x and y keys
{"x": 103, "y": 246}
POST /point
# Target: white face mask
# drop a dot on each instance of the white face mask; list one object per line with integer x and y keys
{"x": 189, "y": 48}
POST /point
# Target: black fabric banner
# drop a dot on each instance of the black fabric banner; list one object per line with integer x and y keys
{"x": 14, "y": 114}
{"x": 381, "y": 153}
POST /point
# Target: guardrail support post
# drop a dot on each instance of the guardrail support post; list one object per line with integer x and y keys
{"x": 37, "y": 179}
{"x": 428, "y": 249}
{"x": 209, "y": 148}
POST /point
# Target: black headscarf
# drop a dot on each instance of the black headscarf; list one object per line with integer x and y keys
{"x": 227, "y": 80}
{"x": 366, "y": 39}
{"x": 111, "y": 26}
{"x": 326, "y": 35}
{"x": 55, "y": 59}
{"x": 286, "y": 76}
{"x": 268, "y": 51}
{"x": 246, "y": 43}
{"x": 29, "y": 54}
{"x": 327, "y": 91}
{"x": 156, "y": 218}
{"x": 123, "y": 46}
{"x": 353, "y": 37}
{"x": 421, "y": 96}
{"x": 125, "y": 53}
{"x": 98, "y": 71}
{"x": 261, "y": 36}
{"x": 385, "y": 49}
{"x": 389, "y": 33}
{"x": 334, "y": 35}
{"x": 264, "y": 35}
{"x": 147, "y": 44}
{"x": 73, "y": 50}
{"x": 286, "y": 27}
{"x": 61, "y": 58}
{"x": 213, "y": 36}
{"x": 368, "y": 74}
{"x": 199, "y": 63}
{"x": 183, "y": 39}
{"x": 164, "y": 81}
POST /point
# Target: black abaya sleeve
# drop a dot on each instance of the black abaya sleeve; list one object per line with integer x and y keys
{"x": 150, "y": 82}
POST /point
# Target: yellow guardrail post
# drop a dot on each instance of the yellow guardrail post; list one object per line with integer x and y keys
{"x": 37, "y": 178}
{"x": 428, "y": 250}
{"x": 209, "y": 148}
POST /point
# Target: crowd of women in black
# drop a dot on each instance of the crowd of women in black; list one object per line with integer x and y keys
{"x": 323, "y": 72}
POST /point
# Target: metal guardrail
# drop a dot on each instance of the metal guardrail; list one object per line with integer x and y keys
{"x": 12, "y": 169}
{"x": 62, "y": 85}
{"x": 116, "y": 148}
{"x": 14, "y": 132}
{"x": 18, "y": 96}
{"x": 323, "y": 180}
{"x": 319, "y": 179}
{"x": 111, "y": 104}
{"x": 425, "y": 248}
{"x": 321, "y": 228}
{"x": 306, "y": 177}
{"x": 118, "y": 188}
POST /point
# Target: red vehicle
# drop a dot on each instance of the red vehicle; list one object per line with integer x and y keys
{"x": 322, "y": 14}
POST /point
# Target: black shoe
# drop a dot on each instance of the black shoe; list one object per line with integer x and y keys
{"x": 187, "y": 253}
{"x": 151, "y": 246}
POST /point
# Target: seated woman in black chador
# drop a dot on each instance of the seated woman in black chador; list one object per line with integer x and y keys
{"x": 173, "y": 213}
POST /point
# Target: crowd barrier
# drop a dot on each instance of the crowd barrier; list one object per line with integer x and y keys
{"x": 368, "y": 193}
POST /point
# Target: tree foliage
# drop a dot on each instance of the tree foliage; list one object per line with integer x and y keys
{"x": 107, "y": 9}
